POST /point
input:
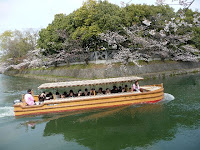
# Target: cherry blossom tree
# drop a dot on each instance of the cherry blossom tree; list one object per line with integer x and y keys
{"x": 184, "y": 3}
{"x": 165, "y": 43}
{"x": 147, "y": 41}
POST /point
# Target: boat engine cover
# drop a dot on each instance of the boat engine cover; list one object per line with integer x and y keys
{"x": 17, "y": 101}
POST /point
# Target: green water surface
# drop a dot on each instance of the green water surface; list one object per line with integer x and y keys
{"x": 169, "y": 124}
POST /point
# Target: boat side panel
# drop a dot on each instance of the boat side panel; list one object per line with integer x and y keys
{"x": 92, "y": 102}
{"x": 82, "y": 107}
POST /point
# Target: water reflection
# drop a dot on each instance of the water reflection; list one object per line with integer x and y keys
{"x": 114, "y": 128}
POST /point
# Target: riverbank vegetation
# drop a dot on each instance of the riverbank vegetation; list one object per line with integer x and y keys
{"x": 134, "y": 32}
{"x": 16, "y": 44}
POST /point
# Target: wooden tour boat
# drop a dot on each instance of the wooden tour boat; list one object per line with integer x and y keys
{"x": 148, "y": 94}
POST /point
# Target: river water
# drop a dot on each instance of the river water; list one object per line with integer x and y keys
{"x": 173, "y": 123}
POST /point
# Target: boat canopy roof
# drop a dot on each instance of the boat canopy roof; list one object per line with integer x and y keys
{"x": 89, "y": 82}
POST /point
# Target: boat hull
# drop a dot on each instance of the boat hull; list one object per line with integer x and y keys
{"x": 90, "y": 102}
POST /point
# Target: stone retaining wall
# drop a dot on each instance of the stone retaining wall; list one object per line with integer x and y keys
{"x": 63, "y": 73}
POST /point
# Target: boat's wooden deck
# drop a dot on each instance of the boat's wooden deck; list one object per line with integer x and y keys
{"x": 150, "y": 88}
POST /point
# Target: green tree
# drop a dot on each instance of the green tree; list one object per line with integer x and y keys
{"x": 196, "y": 37}
{"x": 16, "y": 44}
{"x": 84, "y": 24}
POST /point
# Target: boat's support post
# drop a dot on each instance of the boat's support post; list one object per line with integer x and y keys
{"x": 23, "y": 100}
{"x": 54, "y": 97}
{"x": 32, "y": 93}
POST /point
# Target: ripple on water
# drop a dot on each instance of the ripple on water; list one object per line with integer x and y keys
{"x": 167, "y": 98}
{"x": 6, "y": 111}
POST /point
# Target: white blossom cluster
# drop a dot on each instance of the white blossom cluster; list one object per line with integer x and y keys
{"x": 33, "y": 59}
{"x": 112, "y": 38}
{"x": 175, "y": 24}
{"x": 190, "y": 48}
{"x": 184, "y": 3}
{"x": 3, "y": 67}
{"x": 184, "y": 57}
{"x": 146, "y": 22}
{"x": 196, "y": 20}
{"x": 160, "y": 44}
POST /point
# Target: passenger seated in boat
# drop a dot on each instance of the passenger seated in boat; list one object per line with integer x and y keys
{"x": 92, "y": 92}
{"x": 86, "y": 93}
{"x": 29, "y": 99}
{"x": 71, "y": 93}
{"x": 123, "y": 90}
{"x": 57, "y": 95}
{"x": 126, "y": 88}
{"x": 114, "y": 90}
{"x": 100, "y": 92}
{"x": 49, "y": 96}
{"x": 80, "y": 93}
{"x": 120, "y": 89}
{"x": 42, "y": 97}
{"x": 136, "y": 87}
{"x": 107, "y": 91}
{"x": 129, "y": 90}
{"x": 64, "y": 95}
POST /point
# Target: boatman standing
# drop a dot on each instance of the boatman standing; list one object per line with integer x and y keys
{"x": 29, "y": 98}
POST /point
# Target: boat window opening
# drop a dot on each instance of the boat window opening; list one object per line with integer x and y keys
{"x": 88, "y": 91}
